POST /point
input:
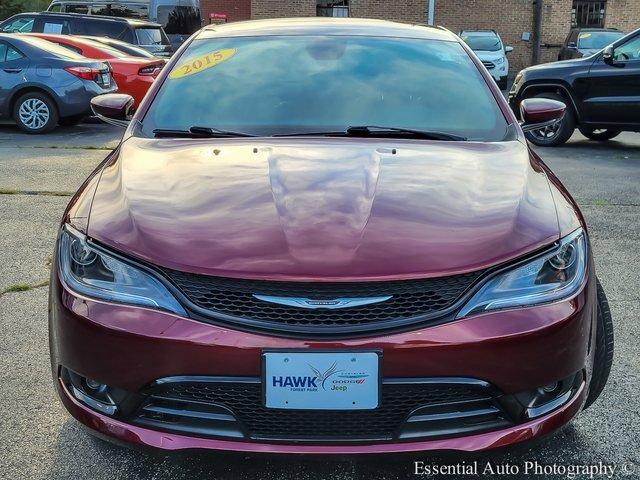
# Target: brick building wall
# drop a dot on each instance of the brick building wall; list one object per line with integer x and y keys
{"x": 556, "y": 23}
{"x": 282, "y": 8}
{"x": 409, "y": 11}
{"x": 235, "y": 10}
{"x": 623, "y": 15}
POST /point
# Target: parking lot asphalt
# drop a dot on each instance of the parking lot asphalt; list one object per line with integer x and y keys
{"x": 39, "y": 440}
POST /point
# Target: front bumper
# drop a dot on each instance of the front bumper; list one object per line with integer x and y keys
{"x": 130, "y": 348}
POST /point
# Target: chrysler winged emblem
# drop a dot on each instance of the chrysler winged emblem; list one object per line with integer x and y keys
{"x": 313, "y": 303}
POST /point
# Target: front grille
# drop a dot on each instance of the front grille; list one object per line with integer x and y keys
{"x": 488, "y": 64}
{"x": 407, "y": 411}
{"x": 234, "y": 299}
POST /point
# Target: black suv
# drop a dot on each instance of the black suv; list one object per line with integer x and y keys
{"x": 584, "y": 42}
{"x": 602, "y": 92}
{"x": 147, "y": 35}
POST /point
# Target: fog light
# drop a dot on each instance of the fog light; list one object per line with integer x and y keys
{"x": 546, "y": 398}
{"x": 92, "y": 393}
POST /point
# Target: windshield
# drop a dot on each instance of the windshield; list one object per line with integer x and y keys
{"x": 178, "y": 20}
{"x": 597, "y": 40}
{"x": 149, "y": 36}
{"x": 485, "y": 43}
{"x": 281, "y": 85}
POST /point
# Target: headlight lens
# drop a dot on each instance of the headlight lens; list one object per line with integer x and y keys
{"x": 499, "y": 61}
{"x": 95, "y": 274}
{"x": 547, "y": 278}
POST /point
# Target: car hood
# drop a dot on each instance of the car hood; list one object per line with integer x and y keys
{"x": 489, "y": 55}
{"x": 323, "y": 209}
{"x": 559, "y": 65}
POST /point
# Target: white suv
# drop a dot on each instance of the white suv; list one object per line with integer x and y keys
{"x": 489, "y": 48}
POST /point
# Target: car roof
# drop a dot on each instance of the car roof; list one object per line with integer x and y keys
{"x": 326, "y": 26}
{"x": 488, "y": 33}
{"x": 132, "y": 21}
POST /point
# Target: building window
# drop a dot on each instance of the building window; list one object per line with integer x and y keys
{"x": 588, "y": 13}
{"x": 332, "y": 8}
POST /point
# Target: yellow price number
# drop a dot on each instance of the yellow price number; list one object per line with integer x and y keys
{"x": 203, "y": 62}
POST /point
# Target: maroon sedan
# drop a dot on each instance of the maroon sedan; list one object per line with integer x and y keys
{"x": 325, "y": 236}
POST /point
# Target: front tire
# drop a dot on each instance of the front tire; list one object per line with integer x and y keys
{"x": 604, "y": 348}
{"x": 556, "y": 134}
{"x": 599, "y": 135}
{"x": 35, "y": 112}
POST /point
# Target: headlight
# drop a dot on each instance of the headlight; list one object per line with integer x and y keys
{"x": 518, "y": 78}
{"x": 96, "y": 274}
{"x": 499, "y": 61}
{"x": 553, "y": 276}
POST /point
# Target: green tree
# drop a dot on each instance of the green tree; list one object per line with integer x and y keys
{"x": 11, "y": 7}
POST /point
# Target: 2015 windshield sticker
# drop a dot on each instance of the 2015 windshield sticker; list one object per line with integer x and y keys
{"x": 201, "y": 63}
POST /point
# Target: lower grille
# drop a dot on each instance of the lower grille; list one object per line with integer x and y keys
{"x": 234, "y": 300}
{"x": 489, "y": 64}
{"x": 418, "y": 408}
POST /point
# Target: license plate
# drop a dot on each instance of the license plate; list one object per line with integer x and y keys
{"x": 106, "y": 79}
{"x": 321, "y": 380}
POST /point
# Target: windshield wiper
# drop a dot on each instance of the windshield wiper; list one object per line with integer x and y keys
{"x": 375, "y": 131}
{"x": 199, "y": 132}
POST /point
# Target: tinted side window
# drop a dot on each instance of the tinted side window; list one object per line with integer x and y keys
{"x": 121, "y": 10}
{"x": 76, "y": 9}
{"x": 52, "y": 25}
{"x": 13, "y": 54}
{"x": 8, "y": 53}
{"x": 102, "y": 28}
{"x": 20, "y": 24}
{"x": 628, "y": 51}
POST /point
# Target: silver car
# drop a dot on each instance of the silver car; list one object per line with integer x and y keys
{"x": 43, "y": 84}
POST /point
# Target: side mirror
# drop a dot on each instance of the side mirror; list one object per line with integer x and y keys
{"x": 537, "y": 113}
{"x": 572, "y": 46}
{"x": 508, "y": 49}
{"x": 607, "y": 55}
{"x": 113, "y": 108}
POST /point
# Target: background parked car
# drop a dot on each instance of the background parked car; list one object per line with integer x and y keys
{"x": 584, "y": 42}
{"x": 133, "y": 75}
{"x": 43, "y": 84}
{"x": 489, "y": 48}
{"x": 602, "y": 92}
{"x": 122, "y": 8}
{"x": 147, "y": 35}
{"x": 179, "y": 18}
{"x": 124, "y": 47}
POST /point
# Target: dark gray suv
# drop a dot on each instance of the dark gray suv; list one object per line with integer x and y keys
{"x": 43, "y": 84}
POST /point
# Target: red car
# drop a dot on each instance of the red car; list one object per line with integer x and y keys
{"x": 325, "y": 236}
{"x": 133, "y": 75}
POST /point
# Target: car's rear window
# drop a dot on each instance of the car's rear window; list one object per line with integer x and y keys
{"x": 278, "y": 85}
{"x": 149, "y": 36}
